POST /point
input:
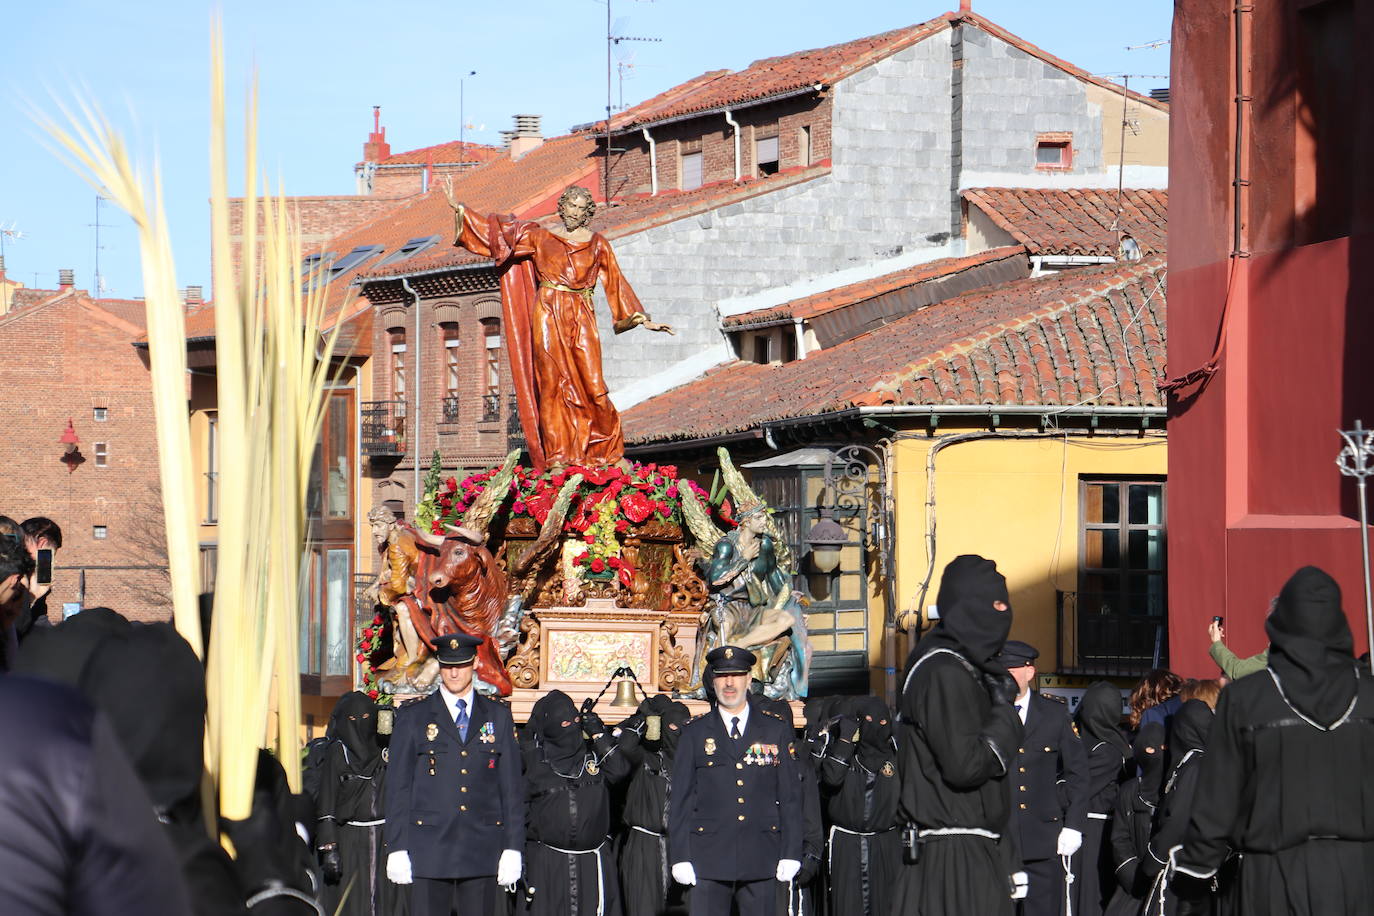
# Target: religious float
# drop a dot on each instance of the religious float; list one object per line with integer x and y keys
{"x": 573, "y": 578}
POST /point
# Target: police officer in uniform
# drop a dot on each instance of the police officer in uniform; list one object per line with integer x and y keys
{"x": 1049, "y": 787}
{"x": 455, "y": 798}
{"x": 735, "y": 813}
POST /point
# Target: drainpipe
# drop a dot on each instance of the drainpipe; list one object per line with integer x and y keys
{"x": 415, "y": 436}
{"x": 730, "y": 119}
{"x": 653, "y": 162}
{"x": 801, "y": 337}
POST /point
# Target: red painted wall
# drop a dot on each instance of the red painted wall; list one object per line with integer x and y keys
{"x": 1254, "y": 490}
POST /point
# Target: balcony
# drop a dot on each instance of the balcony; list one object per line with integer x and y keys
{"x": 515, "y": 433}
{"x": 382, "y": 429}
{"x": 448, "y": 409}
{"x": 491, "y": 408}
{"x": 1110, "y": 635}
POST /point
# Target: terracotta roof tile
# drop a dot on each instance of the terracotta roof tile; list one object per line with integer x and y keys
{"x": 446, "y": 153}
{"x": 775, "y": 76}
{"x": 851, "y": 293}
{"x": 1051, "y": 341}
{"x": 1076, "y": 221}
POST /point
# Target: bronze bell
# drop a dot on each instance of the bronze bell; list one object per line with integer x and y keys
{"x": 625, "y": 694}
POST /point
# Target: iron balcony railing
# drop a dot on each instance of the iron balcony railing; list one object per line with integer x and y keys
{"x": 515, "y": 433}
{"x": 1111, "y": 633}
{"x": 382, "y": 428}
{"x": 491, "y": 408}
{"x": 448, "y": 410}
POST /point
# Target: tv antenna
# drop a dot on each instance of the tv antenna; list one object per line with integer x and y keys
{"x": 615, "y": 37}
{"x": 1150, "y": 45}
{"x": 8, "y": 233}
{"x": 99, "y": 280}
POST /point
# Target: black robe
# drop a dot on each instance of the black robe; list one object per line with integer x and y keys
{"x": 863, "y": 808}
{"x": 1285, "y": 780}
{"x": 647, "y": 887}
{"x": 352, "y": 815}
{"x": 956, "y": 744}
{"x": 1133, "y": 822}
{"x": 1187, "y": 740}
{"x": 569, "y": 864}
{"x": 1096, "y": 721}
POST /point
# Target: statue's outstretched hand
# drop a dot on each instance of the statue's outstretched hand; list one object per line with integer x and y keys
{"x": 657, "y": 326}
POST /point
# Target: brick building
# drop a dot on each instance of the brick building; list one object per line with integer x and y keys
{"x": 73, "y": 361}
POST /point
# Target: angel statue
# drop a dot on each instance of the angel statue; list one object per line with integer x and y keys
{"x": 749, "y": 573}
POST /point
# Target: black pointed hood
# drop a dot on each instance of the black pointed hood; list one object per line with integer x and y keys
{"x": 969, "y": 624}
{"x": 1310, "y": 647}
{"x": 563, "y": 745}
{"x": 1149, "y": 749}
{"x": 1188, "y": 728}
{"x": 1099, "y": 718}
{"x": 355, "y": 726}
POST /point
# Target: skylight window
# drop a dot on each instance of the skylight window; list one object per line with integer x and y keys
{"x": 353, "y": 259}
{"x": 409, "y": 249}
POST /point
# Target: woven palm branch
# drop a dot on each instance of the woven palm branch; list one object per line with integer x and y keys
{"x": 483, "y": 508}
{"x": 698, "y": 522}
{"x": 744, "y": 495}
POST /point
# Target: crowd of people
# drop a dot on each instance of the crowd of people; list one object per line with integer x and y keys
{"x": 975, "y": 795}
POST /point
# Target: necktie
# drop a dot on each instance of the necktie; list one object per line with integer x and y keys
{"x": 734, "y": 728}
{"x": 461, "y": 720}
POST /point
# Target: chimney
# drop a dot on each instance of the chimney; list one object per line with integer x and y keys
{"x": 376, "y": 148}
{"x": 526, "y": 135}
{"x": 193, "y": 296}
{"x": 1160, "y": 95}
{"x": 507, "y": 137}
{"x": 2, "y": 267}
{"x": 66, "y": 279}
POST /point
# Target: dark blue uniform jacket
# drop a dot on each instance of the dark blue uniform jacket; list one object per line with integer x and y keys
{"x": 1049, "y": 779}
{"x": 736, "y": 806}
{"x": 454, "y": 806}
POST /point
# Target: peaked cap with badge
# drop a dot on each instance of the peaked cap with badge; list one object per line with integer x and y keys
{"x": 456, "y": 648}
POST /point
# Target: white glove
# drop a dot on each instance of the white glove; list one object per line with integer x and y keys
{"x": 398, "y": 867}
{"x": 1069, "y": 841}
{"x": 787, "y": 869}
{"x": 1020, "y": 885}
{"x": 684, "y": 873}
{"x": 508, "y": 869}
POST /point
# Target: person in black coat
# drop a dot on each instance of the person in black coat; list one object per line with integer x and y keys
{"x": 1187, "y": 743}
{"x": 351, "y": 816}
{"x": 1285, "y": 780}
{"x": 1133, "y": 821}
{"x": 646, "y": 885}
{"x": 862, "y": 801}
{"x": 735, "y": 816}
{"x": 455, "y": 799}
{"x": 1098, "y": 721}
{"x": 570, "y": 760}
{"x": 1049, "y": 788}
{"x": 960, "y": 734}
{"x": 79, "y": 832}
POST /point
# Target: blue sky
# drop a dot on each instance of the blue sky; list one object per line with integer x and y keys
{"x": 323, "y": 65}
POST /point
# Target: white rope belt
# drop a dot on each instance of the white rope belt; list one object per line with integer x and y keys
{"x": 830, "y": 841}
{"x": 1099, "y": 817}
{"x": 377, "y": 823}
{"x": 959, "y": 831}
{"x": 645, "y": 830}
{"x": 1067, "y": 862}
{"x": 600, "y": 884}
{"x": 280, "y": 890}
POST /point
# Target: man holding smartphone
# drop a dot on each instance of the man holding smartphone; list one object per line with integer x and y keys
{"x": 42, "y": 539}
{"x": 16, "y": 566}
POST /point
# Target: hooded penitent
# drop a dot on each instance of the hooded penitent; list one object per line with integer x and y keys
{"x": 355, "y": 727}
{"x": 562, "y": 744}
{"x": 1149, "y": 750}
{"x": 1311, "y": 650}
{"x": 969, "y": 623}
{"x": 1099, "y": 718}
{"x": 875, "y": 731}
{"x": 1188, "y": 730}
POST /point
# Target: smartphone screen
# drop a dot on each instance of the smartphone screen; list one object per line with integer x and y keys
{"x": 43, "y": 567}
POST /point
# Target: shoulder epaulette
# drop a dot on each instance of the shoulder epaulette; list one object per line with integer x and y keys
{"x": 700, "y": 715}
{"x": 774, "y": 714}
{"x": 1062, "y": 701}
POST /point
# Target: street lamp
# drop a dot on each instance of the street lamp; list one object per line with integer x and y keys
{"x": 851, "y": 490}
{"x": 1354, "y": 462}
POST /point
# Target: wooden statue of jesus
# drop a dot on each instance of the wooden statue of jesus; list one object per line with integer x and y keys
{"x": 548, "y": 278}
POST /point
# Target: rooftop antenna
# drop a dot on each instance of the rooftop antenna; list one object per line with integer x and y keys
{"x": 99, "y": 280}
{"x": 614, "y": 39}
{"x": 462, "y": 122}
{"x": 1121, "y": 151}
{"x": 10, "y": 233}
{"x": 1150, "y": 45}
